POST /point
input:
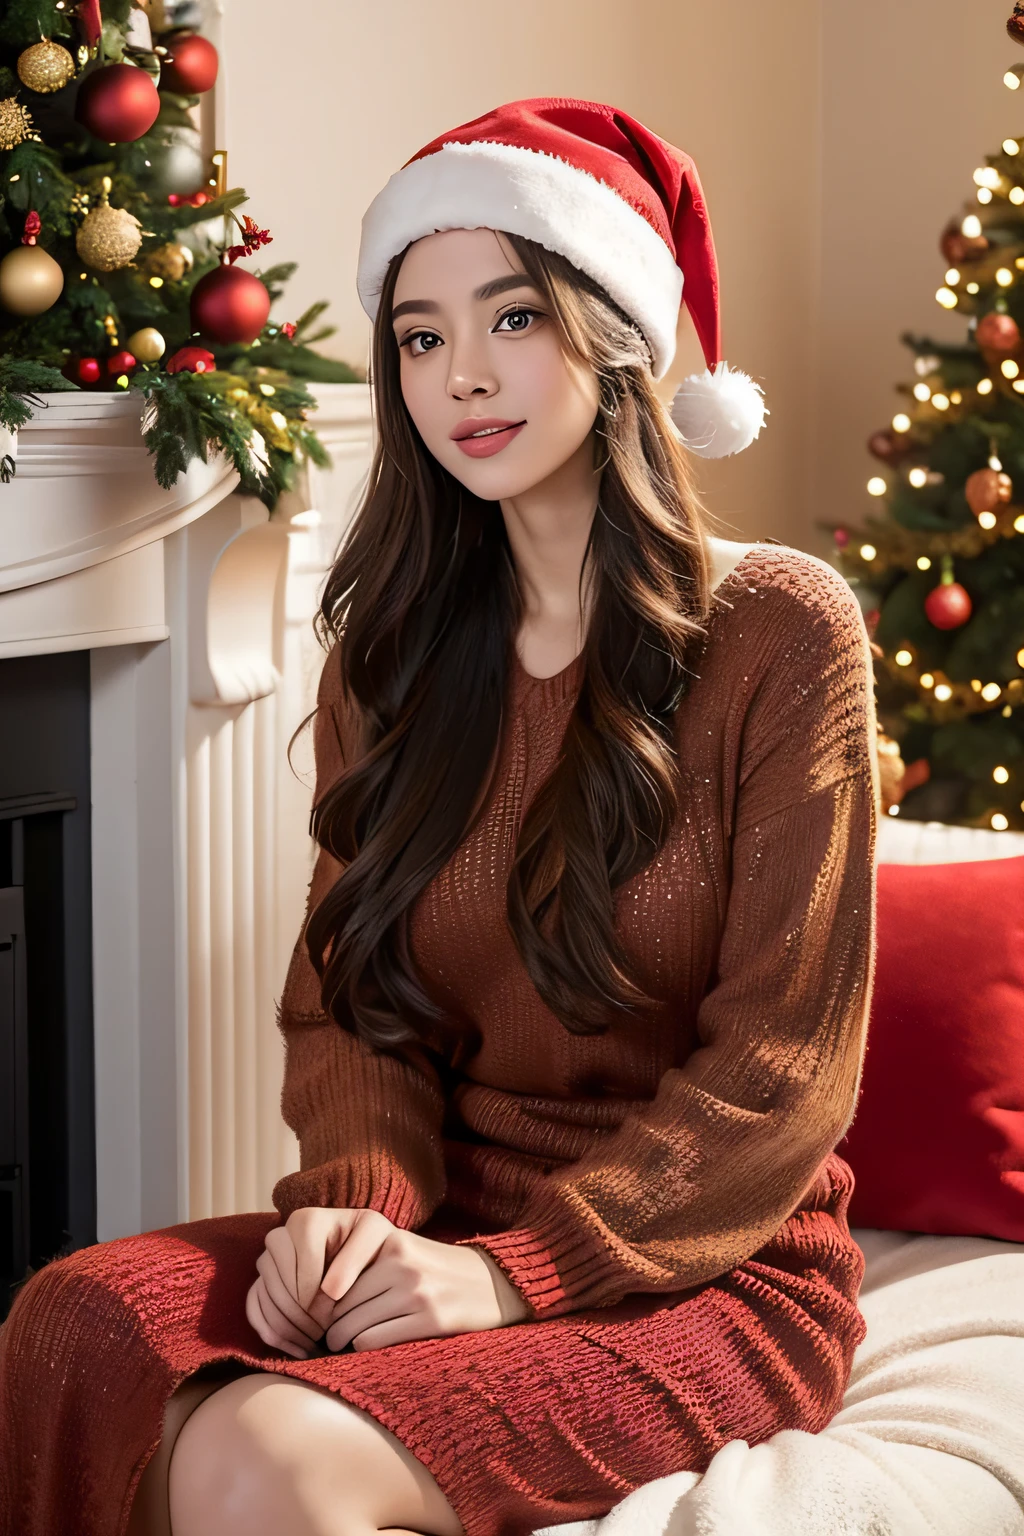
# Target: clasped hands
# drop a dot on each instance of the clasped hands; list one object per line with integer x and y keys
{"x": 354, "y": 1277}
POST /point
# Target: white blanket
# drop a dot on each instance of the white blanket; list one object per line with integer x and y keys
{"x": 930, "y": 1438}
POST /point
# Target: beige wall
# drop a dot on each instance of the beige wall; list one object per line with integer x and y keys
{"x": 832, "y": 141}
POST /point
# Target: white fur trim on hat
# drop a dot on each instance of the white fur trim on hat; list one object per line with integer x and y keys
{"x": 718, "y": 413}
{"x": 486, "y": 185}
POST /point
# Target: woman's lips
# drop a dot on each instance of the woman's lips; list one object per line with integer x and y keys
{"x": 493, "y": 442}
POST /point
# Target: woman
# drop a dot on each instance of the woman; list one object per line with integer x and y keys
{"x": 578, "y": 1013}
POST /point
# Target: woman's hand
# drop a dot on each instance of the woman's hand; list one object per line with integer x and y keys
{"x": 271, "y": 1305}
{"x": 371, "y": 1284}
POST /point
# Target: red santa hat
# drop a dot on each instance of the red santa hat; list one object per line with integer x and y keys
{"x": 619, "y": 202}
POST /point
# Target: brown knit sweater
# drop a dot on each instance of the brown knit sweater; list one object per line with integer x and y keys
{"x": 665, "y": 1152}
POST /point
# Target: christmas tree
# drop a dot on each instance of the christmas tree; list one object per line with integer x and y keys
{"x": 122, "y": 256}
{"x": 941, "y": 574}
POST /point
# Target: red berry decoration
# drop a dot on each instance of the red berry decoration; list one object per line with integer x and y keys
{"x": 229, "y": 305}
{"x": 190, "y": 65}
{"x": 841, "y": 537}
{"x": 191, "y": 360}
{"x": 118, "y": 103}
{"x": 998, "y": 333}
{"x": 948, "y": 605}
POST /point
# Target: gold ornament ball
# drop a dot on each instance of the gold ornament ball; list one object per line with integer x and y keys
{"x": 30, "y": 280}
{"x": 45, "y": 67}
{"x": 169, "y": 262}
{"x": 15, "y": 123}
{"x": 108, "y": 238}
{"x": 146, "y": 344}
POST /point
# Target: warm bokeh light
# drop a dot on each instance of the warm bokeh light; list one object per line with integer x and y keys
{"x": 1004, "y": 277}
{"x": 947, "y": 298}
{"x": 926, "y": 680}
{"x": 1016, "y": 195}
{"x": 924, "y": 563}
{"x": 971, "y": 226}
{"x": 901, "y": 422}
{"x": 1008, "y": 368}
{"x": 922, "y": 392}
{"x": 1011, "y": 147}
{"x": 973, "y": 288}
{"x": 868, "y": 551}
{"x": 990, "y": 692}
{"x": 987, "y": 519}
{"x": 1000, "y": 775}
{"x": 918, "y": 477}
{"x": 999, "y": 822}
{"x": 877, "y": 486}
{"x": 940, "y": 402}
{"x": 903, "y": 658}
{"x": 943, "y": 692}
{"x": 984, "y": 195}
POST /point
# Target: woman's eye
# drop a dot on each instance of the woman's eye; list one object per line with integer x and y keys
{"x": 419, "y": 336}
{"x": 516, "y": 314}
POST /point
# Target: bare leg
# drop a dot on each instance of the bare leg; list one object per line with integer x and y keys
{"x": 268, "y": 1454}
{"x": 151, "y": 1515}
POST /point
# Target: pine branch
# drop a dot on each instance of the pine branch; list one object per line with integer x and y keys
{"x": 20, "y": 378}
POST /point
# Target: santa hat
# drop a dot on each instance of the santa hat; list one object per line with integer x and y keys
{"x": 620, "y": 203}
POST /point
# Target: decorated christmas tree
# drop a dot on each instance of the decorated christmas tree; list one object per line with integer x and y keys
{"x": 941, "y": 574}
{"x": 124, "y": 264}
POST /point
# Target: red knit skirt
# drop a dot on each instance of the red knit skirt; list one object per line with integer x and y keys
{"x": 530, "y": 1425}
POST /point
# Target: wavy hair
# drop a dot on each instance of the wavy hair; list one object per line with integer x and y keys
{"x": 424, "y": 603}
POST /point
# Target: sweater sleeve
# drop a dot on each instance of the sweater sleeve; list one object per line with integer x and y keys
{"x": 704, "y": 1175}
{"x": 368, "y": 1122}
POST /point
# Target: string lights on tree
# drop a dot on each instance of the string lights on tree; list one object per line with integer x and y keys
{"x": 939, "y": 569}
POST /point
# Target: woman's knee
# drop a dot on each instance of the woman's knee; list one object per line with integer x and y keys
{"x": 267, "y": 1454}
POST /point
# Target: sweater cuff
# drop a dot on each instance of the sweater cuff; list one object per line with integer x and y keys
{"x": 374, "y": 1185}
{"x": 556, "y": 1266}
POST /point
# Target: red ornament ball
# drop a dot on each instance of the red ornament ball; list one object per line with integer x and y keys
{"x": 117, "y": 103}
{"x": 998, "y": 333}
{"x": 121, "y": 362}
{"x": 841, "y": 537}
{"x": 960, "y": 249}
{"x": 229, "y": 305}
{"x": 85, "y": 371}
{"x": 948, "y": 606}
{"x": 191, "y": 360}
{"x": 190, "y": 66}
{"x": 986, "y": 489}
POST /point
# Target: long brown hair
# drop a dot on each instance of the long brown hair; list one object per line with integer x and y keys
{"x": 425, "y": 603}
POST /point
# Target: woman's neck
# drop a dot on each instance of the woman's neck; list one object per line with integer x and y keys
{"x": 548, "y": 528}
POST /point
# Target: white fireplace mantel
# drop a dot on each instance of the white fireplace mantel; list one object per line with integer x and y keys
{"x": 196, "y": 609}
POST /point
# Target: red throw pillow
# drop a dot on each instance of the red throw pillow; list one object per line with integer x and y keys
{"x": 937, "y": 1143}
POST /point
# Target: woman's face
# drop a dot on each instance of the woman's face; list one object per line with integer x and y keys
{"x": 479, "y": 347}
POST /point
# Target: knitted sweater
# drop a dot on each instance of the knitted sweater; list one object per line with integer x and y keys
{"x": 663, "y": 1153}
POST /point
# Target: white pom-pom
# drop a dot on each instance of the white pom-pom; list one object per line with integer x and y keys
{"x": 718, "y": 413}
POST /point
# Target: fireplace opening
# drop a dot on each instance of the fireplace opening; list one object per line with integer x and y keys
{"x": 47, "y": 1098}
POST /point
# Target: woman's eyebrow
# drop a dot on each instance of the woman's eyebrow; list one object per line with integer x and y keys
{"x": 486, "y": 291}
